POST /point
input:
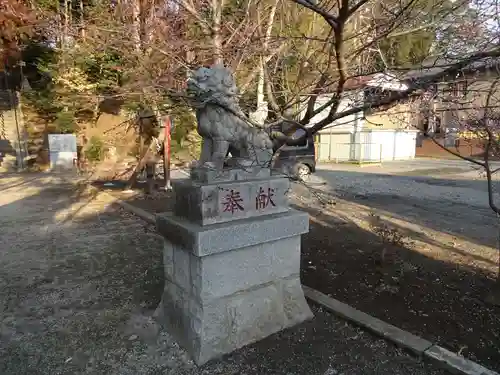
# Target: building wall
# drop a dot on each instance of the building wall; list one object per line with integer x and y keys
{"x": 470, "y": 148}
{"x": 381, "y": 136}
{"x": 474, "y": 94}
{"x": 397, "y": 117}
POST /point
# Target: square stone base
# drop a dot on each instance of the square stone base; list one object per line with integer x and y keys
{"x": 217, "y": 301}
{"x": 208, "y": 330}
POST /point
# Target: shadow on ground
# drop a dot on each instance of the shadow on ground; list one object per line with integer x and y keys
{"x": 157, "y": 201}
{"x": 458, "y": 207}
{"x": 440, "y": 301}
{"x": 72, "y": 280}
{"x": 79, "y": 281}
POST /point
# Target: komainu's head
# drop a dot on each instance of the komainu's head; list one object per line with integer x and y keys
{"x": 212, "y": 84}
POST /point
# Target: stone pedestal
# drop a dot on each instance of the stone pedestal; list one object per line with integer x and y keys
{"x": 231, "y": 280}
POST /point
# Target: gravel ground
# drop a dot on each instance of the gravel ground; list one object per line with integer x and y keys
{"x": 79, "y": 281}
{"x": 455, "y": 203}
{"x": 429, "y": 184}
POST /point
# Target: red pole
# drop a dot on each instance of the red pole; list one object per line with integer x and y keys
{"x": 166, "y": 153}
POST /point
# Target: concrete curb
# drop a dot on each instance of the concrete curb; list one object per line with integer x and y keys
{"x": 449, "y": 361}
{"x": 455, "y": 363}
{"x": 404, "y": 339}
{"x": 353, "y": 164}
{"x": 444, "y": 358}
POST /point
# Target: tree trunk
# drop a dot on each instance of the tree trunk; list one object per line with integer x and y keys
{"x": 82, "y": 20}
{"x": 66, "y": 24}
{"x": 136, "y": 25}
{"x": 261, "y": 113}
{"x": 217, "y": 6}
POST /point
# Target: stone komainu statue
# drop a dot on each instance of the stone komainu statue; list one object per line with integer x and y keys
{"x": 221, "y": 123}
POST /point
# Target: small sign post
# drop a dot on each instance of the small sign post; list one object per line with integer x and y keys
{"x": 62, "y": 151}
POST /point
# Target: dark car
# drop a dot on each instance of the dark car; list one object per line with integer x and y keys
{"x": 297, "y": 161}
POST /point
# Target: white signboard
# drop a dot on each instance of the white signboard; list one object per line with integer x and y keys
{"x": 62, "y": 151}
{"x": 62, "y": 143}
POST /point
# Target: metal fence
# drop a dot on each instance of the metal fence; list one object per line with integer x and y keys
{"x": 349, "y": 152}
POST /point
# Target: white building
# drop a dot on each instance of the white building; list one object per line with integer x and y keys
{"x": 366, "y": 136}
